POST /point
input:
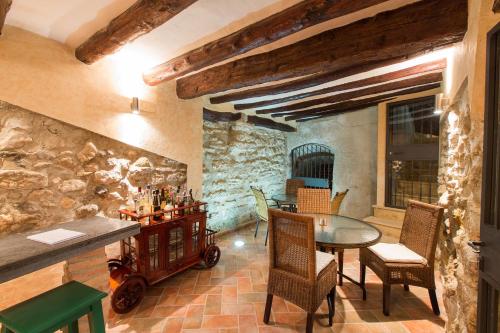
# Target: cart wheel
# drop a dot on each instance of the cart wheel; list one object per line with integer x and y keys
{"x": 128, "y": 295}
{"x": 114, "y": 264}
{"x": 212, "y": 256}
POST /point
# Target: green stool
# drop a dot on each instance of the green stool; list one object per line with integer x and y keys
{"x": 55, "y": 309}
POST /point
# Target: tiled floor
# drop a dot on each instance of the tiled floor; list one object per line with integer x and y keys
{"x": 230, "y": 298}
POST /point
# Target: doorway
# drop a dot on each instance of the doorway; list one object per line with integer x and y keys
{"x": 489, "y": 270}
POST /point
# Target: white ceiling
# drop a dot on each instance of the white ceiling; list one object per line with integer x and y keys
{"x": 72, "y": 21}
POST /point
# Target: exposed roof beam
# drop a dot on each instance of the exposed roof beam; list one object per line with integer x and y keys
{"x": 418, "y": 69}
{"x": 296, "y": 18}
{"x": 4, "y": 9}
{"x": 215, "y": 116}
{"x": 412, "y": 29}
{"x": 301, "y": 83}
{"x": 341, "y": 105}
{"x": 334, "y": 111}
{"x": 269, "y": 123}
{"x": 337, "y": 111}
{"x": 382, "y": 88}
{"x": 137, "y": 20}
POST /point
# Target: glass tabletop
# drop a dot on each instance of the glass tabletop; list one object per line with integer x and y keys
{"x": 285, "y": 198}
{"x": 343, "y": 232}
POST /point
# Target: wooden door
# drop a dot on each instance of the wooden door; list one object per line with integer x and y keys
{"x": 489, "y": 246}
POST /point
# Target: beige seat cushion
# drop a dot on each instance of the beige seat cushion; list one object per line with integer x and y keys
{"x": 322, "y": 260}
{"x": 397, "y": 253}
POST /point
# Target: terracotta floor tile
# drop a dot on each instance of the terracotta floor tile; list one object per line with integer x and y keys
{"x": 173, "y": 325}
{"x": 169, "y": 311}
{"x": 244, "y": 285}
{"x": 195, "y": 310}
{"x": 230, "y": 298}
{"x": 252, "y": 297}
{"x": 213, "y": 305}
{"x": 192, "y": 322}
{"x": 221, "y": 321}
{"x": 229, "y": 294}
{"x": 238, "y": 309}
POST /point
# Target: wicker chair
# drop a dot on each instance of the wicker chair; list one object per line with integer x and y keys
{"x": 297, "y": 272}
{"x": 292, "y": 185}
{"x": 412, "y": 261}
{"x": 261, "y": 207}
{"x": 337, "y": 201}
{"x": 313, "y": 201}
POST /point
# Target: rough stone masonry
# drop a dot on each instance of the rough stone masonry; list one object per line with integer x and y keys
{"x": 51, "y": 172}
{"x": 461, "y": 152}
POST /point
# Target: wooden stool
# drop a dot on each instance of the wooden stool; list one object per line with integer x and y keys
{"x": 55, "y": 309}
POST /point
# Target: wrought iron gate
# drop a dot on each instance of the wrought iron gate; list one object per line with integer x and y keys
{"x": 313, "y": 160}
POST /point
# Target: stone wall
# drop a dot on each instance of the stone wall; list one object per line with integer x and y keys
{"x": 236, "y": 156}
{"x": 460, "y": 193}
{"x": 51, "y": 172}
{"x": 353, "y": 139}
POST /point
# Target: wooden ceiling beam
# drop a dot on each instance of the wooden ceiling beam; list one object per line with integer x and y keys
{"x": 403, "y": 32}
{"x": 496, "y": 6}
{"x": 335, "y": 111}
{"x": 215, "y": 116}
{"x": 289, "y": 21}
{"x": 302, "y": 83}
{"x": 269, "y": 123}
{"x": 406, "y": 72}
{"x": 382, "y": 88}
{"x": 341, "y": 105}
{"x": 139, "y": 19}
{"x": 4, "y": 9}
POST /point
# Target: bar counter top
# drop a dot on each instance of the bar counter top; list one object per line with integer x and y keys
{"x": 20, "y": 256}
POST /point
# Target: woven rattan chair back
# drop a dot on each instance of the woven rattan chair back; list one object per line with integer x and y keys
{"x": 337, "y": 201}
{"x": 292, "y": 185}
{"x": 260, "y": 203}
{"x": 313, "y": 201}
{"x": 420, "y": 229}
{"x": 292, "y": 248}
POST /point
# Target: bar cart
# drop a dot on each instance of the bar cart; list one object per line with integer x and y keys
{"x": 170, "y": 241}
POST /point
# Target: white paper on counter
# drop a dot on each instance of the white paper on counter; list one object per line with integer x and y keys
{"x": 55, "y": 236}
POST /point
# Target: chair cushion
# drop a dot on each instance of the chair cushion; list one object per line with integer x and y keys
{"x": 322, "y": 260}
{"x": 397, "y": 253}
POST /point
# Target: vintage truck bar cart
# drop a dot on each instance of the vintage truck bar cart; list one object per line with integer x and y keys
{"x": 170, "y": 241}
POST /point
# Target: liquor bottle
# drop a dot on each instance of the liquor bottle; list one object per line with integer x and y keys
{"x": 140, "y": 202}
{"x": 163, "y": 198}
{"x": 156, "y": 204}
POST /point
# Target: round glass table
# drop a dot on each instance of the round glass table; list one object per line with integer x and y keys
{"x": 285, "y": 199}
{"x": 336, "y": 233}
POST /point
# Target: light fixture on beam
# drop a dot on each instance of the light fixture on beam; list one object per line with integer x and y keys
{"x": 134, "y": 105}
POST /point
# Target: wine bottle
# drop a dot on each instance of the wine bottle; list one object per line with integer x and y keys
{"x": 156, "y": 204}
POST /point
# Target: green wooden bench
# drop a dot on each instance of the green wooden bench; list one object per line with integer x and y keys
{"x": 55, "y": 309}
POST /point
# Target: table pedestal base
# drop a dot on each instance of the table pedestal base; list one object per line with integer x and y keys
{"x": 340, "y": 271}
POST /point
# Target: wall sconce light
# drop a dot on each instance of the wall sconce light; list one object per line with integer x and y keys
{"x": 441, "y": 104}
{"x": 134, "y": 106}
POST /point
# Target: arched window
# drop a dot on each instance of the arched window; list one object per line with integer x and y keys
{"x": 314, "y": 163}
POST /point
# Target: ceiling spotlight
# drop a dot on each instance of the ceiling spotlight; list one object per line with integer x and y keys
{"x": 438, "y": 111}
